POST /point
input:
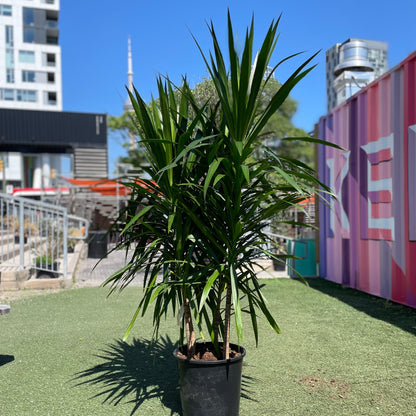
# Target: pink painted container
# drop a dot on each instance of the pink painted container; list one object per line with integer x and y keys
{"x": 368, "y": 235}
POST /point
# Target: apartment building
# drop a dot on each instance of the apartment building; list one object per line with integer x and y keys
{"x": 30, "y": 55}
{"x": 34, "y": 146}
{"x": 367, "y": 60}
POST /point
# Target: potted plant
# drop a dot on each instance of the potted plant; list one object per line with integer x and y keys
{"x": 30, "y": 228}
{"x": 49, "y": 250}
{"x": 13, "y": 226}
{"x": 206, "y": 206}
{"x": 74, "y": 235}
{"x": 71, "y": 245}
{"x": 46, "y": 267}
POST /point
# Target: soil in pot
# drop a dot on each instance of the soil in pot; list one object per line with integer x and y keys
{"x": 206, "y": 352}
{"x": 210, "y": 386}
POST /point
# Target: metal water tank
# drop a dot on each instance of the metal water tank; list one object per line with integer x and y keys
{"x": 353, "y": 56}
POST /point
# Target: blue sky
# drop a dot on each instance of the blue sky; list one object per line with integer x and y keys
{"x": 93, "y": 37}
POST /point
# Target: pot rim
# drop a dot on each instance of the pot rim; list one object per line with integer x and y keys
{"x": 217, "y": 362}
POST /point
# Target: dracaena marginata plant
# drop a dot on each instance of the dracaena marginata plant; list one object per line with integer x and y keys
{"x": 197, "y": 226}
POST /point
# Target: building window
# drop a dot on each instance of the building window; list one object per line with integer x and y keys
{"x": 51, "y": 24}
{"x": 32, "y": 96}
{"x": 28, "y": 35}
{"x": 52, "y": 40}
{"x": 27, "y": 57}
{"x": 52, "y": 19}
{"x": 28, "y": 16}
{"x": 9, "y": 95}
{"x": 49, "y": 59}
{"x": 6, "y": 94}
{"x": 5, "y": 10}
{"x": 40, "y": 25}
{"x": 9, "y": 55}
{"x": 10, "y": 75}
{"x": 51, "y": 98}
{"x": 51, "y": 77}
{"x": 19, "y": 95}
{"x": 9, "y": 36}
{"x": 26, "y": 95}
{"x": 9, "y": 58}
{"x": 28, "y": 76}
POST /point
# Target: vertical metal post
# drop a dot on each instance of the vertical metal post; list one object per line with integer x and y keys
{"x": 41, "y": 178}
{"x": 3, "y": 172}
{"x": 21, "y": 234}
{"x": 65, "y": 236}
{"x": 2, "y": 230}
{"x": 117, "y": 193}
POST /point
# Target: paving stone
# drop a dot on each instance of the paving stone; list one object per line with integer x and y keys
{"x": 4, "y": 309}
{"x": 94, "y": 272}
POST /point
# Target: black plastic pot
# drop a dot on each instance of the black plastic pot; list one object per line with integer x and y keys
{"x": 210, "y": 388}
{"x": 279, "y": 265}
{"x": 17, "y": 239}
{"x": 43, "y": 274}
{"x": 97, "y": 244}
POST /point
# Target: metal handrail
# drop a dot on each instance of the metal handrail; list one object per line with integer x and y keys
{"x": 34, "y": 234}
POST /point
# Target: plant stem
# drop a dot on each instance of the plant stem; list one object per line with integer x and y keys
{"x": 226, "y": 343}
{"x": 217, "y": 318}
{"x": 189, "y": 328}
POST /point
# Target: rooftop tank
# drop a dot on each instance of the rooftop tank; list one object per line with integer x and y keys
{"x": 353, "y": 56}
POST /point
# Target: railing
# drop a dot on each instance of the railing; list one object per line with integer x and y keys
{"x": 36, "y": 235}
{"x": 51, "y": 24}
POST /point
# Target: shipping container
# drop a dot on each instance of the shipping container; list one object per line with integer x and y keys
{"x": 367, "y": 237}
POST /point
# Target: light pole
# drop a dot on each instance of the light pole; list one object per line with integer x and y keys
{"x": 126, "y": 168}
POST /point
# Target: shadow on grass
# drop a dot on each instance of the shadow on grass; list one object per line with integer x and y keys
{"x": 246, "y": 383}
{"x": 4, "y": 359}
{"x": 135, "y": 372}
{"x": 398, "y": 315}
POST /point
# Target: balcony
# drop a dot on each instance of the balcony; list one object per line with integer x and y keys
{"x": 51, "y": 24}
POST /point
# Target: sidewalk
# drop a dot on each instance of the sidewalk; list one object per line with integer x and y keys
{"x": 94, "y": 272}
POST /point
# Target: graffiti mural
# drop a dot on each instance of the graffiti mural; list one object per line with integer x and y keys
{"x": 368, "y": 234}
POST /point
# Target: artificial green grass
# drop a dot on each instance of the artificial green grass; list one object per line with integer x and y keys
{"x": 341, "y": 352}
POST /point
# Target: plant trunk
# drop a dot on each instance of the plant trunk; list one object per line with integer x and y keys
{"x": 189, "y": 328}
{"x": 217, "y": 317}
{"x": 226, "y": 343}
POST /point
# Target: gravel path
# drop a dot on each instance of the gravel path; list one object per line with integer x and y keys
{"x": 94, "y": 272}
{"x": 89, "y": 272}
